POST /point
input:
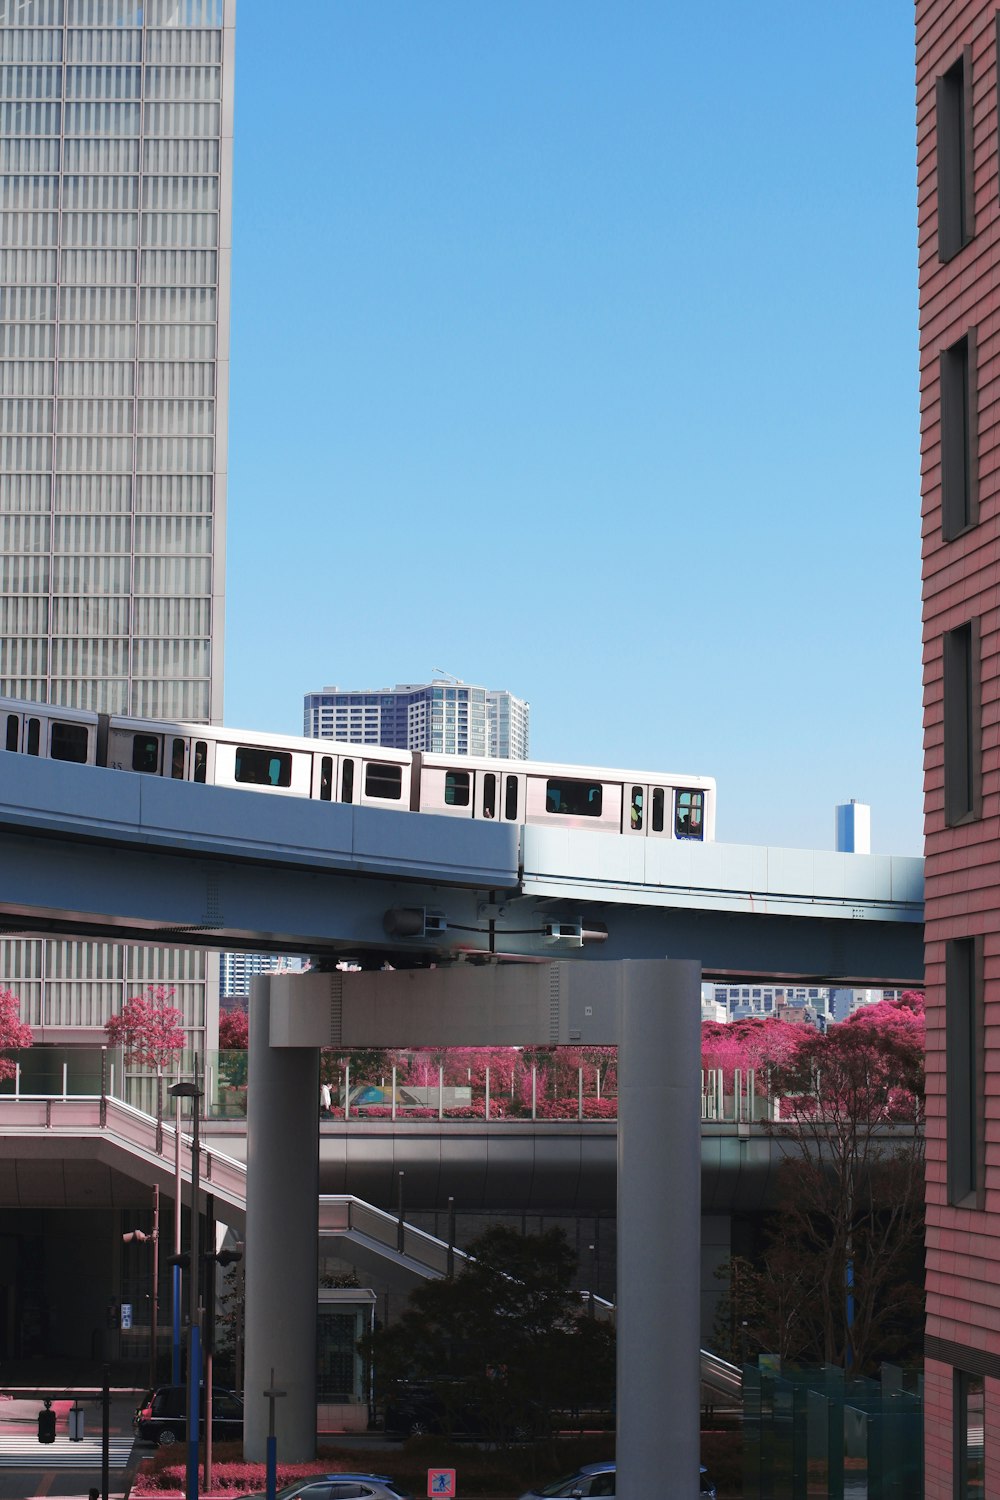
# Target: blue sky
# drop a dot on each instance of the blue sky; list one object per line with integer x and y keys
{"x": 575, "y": 352}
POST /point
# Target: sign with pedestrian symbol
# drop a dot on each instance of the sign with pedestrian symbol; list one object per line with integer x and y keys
{"x": 441, "y": 1482}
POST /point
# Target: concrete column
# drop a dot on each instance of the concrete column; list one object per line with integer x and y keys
{"x": 282, "y": 1238}
{"x": 659, "y": 1212}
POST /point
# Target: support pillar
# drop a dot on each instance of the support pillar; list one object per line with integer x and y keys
{"x": 659, "y": 1229}
{"x": 282, "y": 1238}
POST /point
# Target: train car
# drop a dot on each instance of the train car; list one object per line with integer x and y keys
{"x": 642, "y": 804}
{"x": 595, "y": 798}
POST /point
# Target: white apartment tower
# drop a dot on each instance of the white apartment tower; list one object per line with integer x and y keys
{"x": 444, "y": 716}
{"x": 116, "y": 126}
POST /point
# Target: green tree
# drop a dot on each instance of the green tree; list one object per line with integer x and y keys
{"x": 507, "y": 1335}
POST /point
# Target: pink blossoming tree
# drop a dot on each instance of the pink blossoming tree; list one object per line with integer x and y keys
{"x": 149, "y": 1030}
{"x": 14, "y": 1033}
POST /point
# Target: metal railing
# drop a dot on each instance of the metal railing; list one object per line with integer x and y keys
{"x": 411, "y": 1091}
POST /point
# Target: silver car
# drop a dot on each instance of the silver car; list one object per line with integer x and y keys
{"x": 338, "y": 1487}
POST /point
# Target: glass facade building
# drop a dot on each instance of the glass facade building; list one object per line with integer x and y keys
{"x": 116, "y": 123}
{"x": 445, "y": 717}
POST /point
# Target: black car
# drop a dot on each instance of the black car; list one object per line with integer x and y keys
{"x": 599, "y": 1479}
{"x": 414, "y": 1410}
{"x": 161, "y": 1416}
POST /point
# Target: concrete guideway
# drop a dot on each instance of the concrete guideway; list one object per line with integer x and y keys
{"x": 144, "y": 859}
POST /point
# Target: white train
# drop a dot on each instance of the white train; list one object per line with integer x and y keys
{"x": 646, "y": 804}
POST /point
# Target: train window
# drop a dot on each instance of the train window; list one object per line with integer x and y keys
{"x": 658, "y": 800}
{"x": 489, "y": 795}
{"x": 68, "y": 742}
{"x": 200, "y": 761}
{"x": 177, "y": 759}
{"x": 383, "y": 781}
{"x": 456, "y": 788}
{"x": 256, "y": 767}
{"x": 689, "y": 818}
{"x": 326, "y": 778}
{"x": 146, "y": 753}
{"x": 13, "y": 726}
{"x": 635, "y": 813}
{"x": 34, "y": 736}
{"x": 347, "y": 782}
{"x": 579, "y": 799}
{"x": 510, "y": 800}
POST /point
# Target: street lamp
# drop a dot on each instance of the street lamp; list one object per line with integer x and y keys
{"x": 189, "y": 1089}
{"x": 138, "y": 1237}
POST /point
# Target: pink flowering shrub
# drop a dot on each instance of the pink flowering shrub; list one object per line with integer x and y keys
{"x": 233, "y": 1476}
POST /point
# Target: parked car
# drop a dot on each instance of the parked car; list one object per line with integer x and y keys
{"x": 337, "y": 1487}
{"x": 598, "y": 1479}
{"x": 415, "y": 1409}
{"x": 161, "y": 1416}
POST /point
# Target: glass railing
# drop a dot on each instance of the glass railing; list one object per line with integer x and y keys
{"x": 820, "y": 1432}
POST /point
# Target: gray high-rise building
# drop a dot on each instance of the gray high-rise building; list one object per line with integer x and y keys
{"x": 116, "y": 126}
{"x": 446, "y": 715}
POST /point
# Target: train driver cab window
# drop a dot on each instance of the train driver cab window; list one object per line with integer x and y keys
{"x": 177, "y": 759}
{"x": 13, "y": 731}
{"x": 578, "y": 799}
{"x": 146, "y": 753}
{"x": 657, "y": 809}
{"x": 34, "y": 736}
{"x": 257, "y": 767}
{"x": 635, "y": 809}
{"x": 510, "y": 800}
{"x": 200, "y": 761}
{"x": 690, "y": 814}
{"x": 383, "y": 781}
{"x": 68, "y": 742}
{"x": 489, "y": 794}
{"x": 456, "y": 788}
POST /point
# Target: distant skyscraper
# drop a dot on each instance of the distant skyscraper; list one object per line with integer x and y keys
{"x": 853, "y": 828}
{"x": 116, "y": 123}
{"x": 237, "y": 969}
{"x": 445, "y": 716}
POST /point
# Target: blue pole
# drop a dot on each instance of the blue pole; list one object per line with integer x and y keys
{"x": 272, "y": 1466}
{"x": 175, "y": 1358}
{"x": 849, "y": 1350}
{"x": 194, "y": 1413}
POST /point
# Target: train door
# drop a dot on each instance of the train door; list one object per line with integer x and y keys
{"x": 12, "y": 732}
{"x": 513, "y": 799}
{"x": 201, "y": 766}
{"x": 324, "y": 771}
{"x": 659, "y": 805}
{"x": 636, "y": 809}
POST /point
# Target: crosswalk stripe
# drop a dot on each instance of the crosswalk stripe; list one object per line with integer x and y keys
{"x": 18, "y": 1451}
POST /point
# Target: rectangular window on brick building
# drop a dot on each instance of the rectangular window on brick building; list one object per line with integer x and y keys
{"x": 959, "y": 487}
{"x": 956, "y": 224}
{"x": 964, "y": 1082}
{"x": 961, "y": 724}
{"x": 970, "y": 1437}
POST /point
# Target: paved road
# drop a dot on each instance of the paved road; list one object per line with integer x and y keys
{"x": 63, "y": 1468}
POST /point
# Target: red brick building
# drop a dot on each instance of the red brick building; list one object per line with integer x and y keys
{"x": 958, "y": 173}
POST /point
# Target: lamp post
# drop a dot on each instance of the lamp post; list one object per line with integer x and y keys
{"x": 138, "y": 1237}
{"x": 189, "y": 1089}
